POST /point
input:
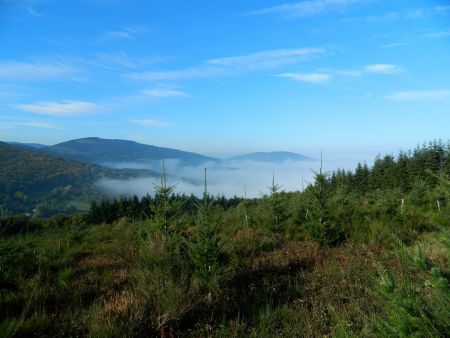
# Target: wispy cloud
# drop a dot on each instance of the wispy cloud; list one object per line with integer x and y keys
{"x": 442, "y": 9}
{"x": 325, "y": 75}
{"x": 416, "y": 13}
{"x": 377, "y": 68}
{"x": 173, "y": 75}
{"x": 307, "y": 8}
{"x": 66, "y": 108}
{"x": 113, "y": 60}
{"x": 5, "y": 126}
{"x": 13, "y": 122}
{"x": 126, "y": 33}
{"x": 383, "y": 68}
{"x": 420, "y": 95}
{"x": 233, "y": 65}
{"x": 392, "y": 16}
{"x": 267, "y": 59}
{"x": 396, "y": 44}
{"x": 37, "y": 124}
{"x": 11, "y": 92}
{"x": 151, "y": 123}
{"x": 33, "y": 12}
{"x": 162, "y": 93}
{"x": 438, "y": 34}
{"x": 317, "y": 78}
{"x": 40, "y": 70}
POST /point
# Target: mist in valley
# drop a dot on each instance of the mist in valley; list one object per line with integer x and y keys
{"x": 227, "y": 177}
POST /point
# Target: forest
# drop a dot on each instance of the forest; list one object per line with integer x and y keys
{"x": 362, "y": 253}
{"x": 32, "y": 182}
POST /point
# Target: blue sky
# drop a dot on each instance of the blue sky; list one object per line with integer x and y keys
{"x": 225, "y": 77}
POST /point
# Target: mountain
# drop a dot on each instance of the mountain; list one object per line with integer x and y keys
{"x": 275, "y": 157}
{"x": 28, "y": 145}
{"x": 30, "y": 179}
{"x": 105, "y": 151}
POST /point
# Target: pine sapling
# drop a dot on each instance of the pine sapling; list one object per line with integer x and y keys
{"x": 206, "y": 247}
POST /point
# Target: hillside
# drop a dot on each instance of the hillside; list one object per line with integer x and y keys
{"x": 275, "y": 157}
{"x": 363, "y": 253}
{"x": 100, "y": 151}
{"x": 28, "y": 145}
{"x": 29, "y": 179}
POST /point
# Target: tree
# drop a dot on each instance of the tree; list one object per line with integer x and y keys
{"x": 275, "y": 202}
{"x": 318, "y": 222}
{"x": 205, "y": 248}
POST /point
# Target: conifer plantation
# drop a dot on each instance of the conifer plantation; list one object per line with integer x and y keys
{"x": 361, "y": 253}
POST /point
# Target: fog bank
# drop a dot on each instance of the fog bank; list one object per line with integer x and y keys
{"x": 228, "y": 178}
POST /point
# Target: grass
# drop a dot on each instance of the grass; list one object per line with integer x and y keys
{"x": 129, "y": 279}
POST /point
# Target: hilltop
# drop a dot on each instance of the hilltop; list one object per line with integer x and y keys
{"x": 100, "y": 151}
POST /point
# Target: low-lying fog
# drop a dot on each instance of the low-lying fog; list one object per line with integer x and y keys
{"x": 229, "y": 178}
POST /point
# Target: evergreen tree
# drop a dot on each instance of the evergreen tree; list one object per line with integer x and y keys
{"x": 318, "y": 222}
{"x": 402, "y": 174}
{"x": 167, "y": 213}
{"x": 275, "y": 202}
{"x": 205, "y": 248}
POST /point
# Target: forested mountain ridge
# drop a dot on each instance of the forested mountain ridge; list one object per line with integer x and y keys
{"x": 28, "y": 145}
{"x": 29, "y": 179}
{"x": 99, "y": 151}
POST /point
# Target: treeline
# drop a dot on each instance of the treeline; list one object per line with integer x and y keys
{"x": 411, "y": 172}
{"x": 400, "y": 190}
{"x": 133, "y": 208}
{"x": 24, "y": 224}
{"x": 402, "y": 172}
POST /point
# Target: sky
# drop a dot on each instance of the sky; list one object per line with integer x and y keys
{"x": 358, "y": 77}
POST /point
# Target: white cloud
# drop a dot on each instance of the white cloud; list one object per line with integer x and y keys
{"x": 395, "y": 44}
{"x": 38, "y": 124}
{"x": 378, "y": 68}
{"x": 126, "y": 33}
{"x": 307, "y": 8}
{"x": 442, "y": 9}
{"x": 415, "y": 13}
{"x": 348, "y": 72}
{"x": 420, "y": 95}
{"x": 33, "y": 12}
{"x": 232, "y": 65}
{"x": 5, "y": 126}
{"x": 438, "y": 34}
{"x": 324, "y": 75}
{"x": 411, "y": 14}
{"x": 66, "y": 108}
{"x": 173, "y": 75}
{"x": 112, "y": 60}
{"x": 150, "y": 123}
{"x": 317, "y": 78}
{"x": 8, "y": 92}
{"x": 40, "y": 70}
{"x": 162, "y": 93}
{"x": 267, "y": 59}
{"x": 383, "y": 68}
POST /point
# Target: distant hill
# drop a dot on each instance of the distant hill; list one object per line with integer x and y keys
{"x": 275, "y": 156}
{"x": 100, "y": 151}
{"x": 30, "y": 179}
{"x": 28, "y": 145}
